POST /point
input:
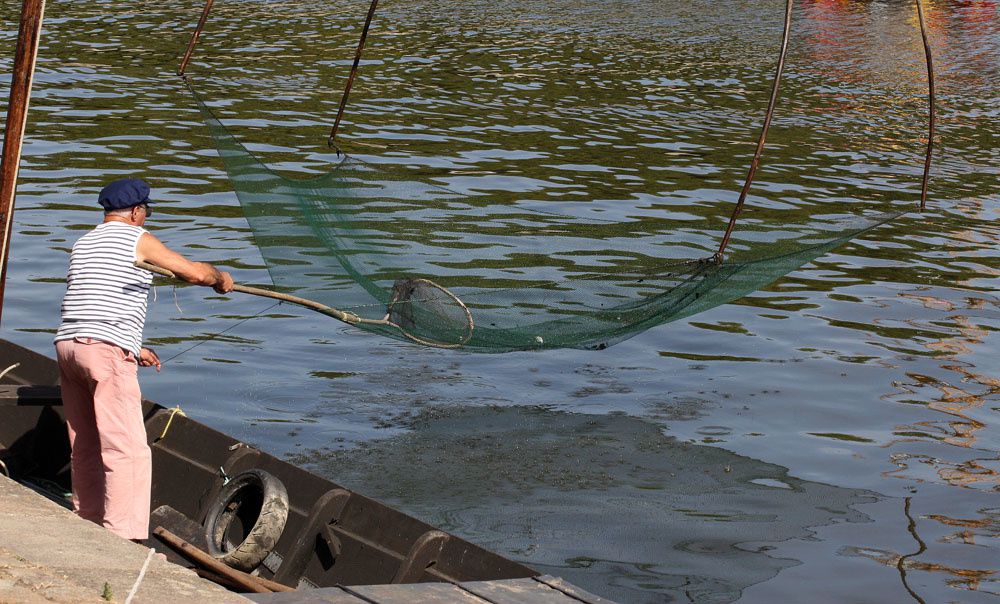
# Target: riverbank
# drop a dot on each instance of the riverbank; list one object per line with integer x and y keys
{"x": 47, "y": 554}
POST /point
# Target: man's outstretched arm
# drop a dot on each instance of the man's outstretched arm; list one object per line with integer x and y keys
{"x": 152, "y": 250}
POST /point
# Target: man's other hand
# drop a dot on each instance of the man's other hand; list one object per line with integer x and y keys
{"x": 148, "y": 358}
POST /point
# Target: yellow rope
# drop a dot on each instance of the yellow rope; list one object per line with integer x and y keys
{"x": 175, "y": 411}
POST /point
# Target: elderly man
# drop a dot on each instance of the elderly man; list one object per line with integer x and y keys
{"x": 99, "y": 348}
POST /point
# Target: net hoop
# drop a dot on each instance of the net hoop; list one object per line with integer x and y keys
{"x": 466, "y": 313}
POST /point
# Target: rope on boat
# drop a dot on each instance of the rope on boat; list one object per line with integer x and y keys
{"x": 175, "y": 411}
{"x": 8, "y": 370}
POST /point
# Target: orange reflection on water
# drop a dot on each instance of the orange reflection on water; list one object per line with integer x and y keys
{"x": 963, "y": 578}
{"x": 976, "y": 388}
{"x": 957, "y": 398}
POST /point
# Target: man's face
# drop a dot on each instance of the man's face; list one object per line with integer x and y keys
{"x": 140, "y": 213}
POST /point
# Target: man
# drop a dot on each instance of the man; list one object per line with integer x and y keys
{"x": 99, "y": 348}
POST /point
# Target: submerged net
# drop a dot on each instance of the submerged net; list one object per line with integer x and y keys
{"x": 362, "y": 237}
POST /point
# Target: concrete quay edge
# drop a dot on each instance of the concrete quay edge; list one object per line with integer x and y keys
{"x": 48, "y": 554}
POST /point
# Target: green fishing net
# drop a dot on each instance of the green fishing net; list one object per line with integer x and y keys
{"x": 365, "y": 238}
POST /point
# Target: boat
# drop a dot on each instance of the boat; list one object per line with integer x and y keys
{"x": 216, "y": 493}
{"x": 219, "y": 497}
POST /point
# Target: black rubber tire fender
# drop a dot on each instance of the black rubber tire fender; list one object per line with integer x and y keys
{"x": 267, "y": 529}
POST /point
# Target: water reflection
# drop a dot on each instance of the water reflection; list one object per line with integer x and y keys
{"x": 606, "y": 501}
{"x": 962, "y": 400}
{"x": 908, "y": 564}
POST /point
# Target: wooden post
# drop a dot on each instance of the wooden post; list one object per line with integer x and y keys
{"x": 17, "y": 117}
{"x": 354, "y": 72}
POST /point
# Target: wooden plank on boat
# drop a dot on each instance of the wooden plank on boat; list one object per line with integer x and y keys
{"x": 537, "y": 590}
{"x": 517, "y": 591}
{"x": 571, "y": 590}
{"x": 324, "y": 595}
{"x": 429, "y": 593}
{"x": 180, "y": 525}
{"x": 425, "y": 593}
{"x": 31, "y": 367}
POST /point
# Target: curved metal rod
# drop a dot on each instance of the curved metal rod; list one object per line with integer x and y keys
{"x": 194, "y": 37}
{"x": 763, "y": 133}
{"x": 931, "y": 102}
{"x": 354, "y": 72}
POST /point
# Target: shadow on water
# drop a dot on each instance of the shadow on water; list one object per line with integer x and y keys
{"x": 607, "y": 501}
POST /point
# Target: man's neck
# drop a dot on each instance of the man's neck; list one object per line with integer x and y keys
{"x": 114, "y": 218}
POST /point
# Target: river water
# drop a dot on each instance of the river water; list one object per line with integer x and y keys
{"x": 832, "y": 438}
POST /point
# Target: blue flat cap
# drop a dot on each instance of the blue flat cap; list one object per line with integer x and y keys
{"x": 124, "y": 193}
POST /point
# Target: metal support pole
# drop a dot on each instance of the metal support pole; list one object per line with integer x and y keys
{"x": 931, "y": 102}
{"x": 17, "y": 118}
{"x": 354, "y": 72}
{"x": 763, "y": 134}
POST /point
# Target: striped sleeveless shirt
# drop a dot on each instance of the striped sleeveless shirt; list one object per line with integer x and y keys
{"x": 106, "y": 293}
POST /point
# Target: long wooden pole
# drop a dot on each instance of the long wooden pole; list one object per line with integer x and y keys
{"x": 346, "y": 317}
{"x": 17, "y": 117}
{"x": 204, "y": 560}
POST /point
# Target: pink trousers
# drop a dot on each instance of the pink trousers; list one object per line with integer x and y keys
{"x": 110, "y": 460}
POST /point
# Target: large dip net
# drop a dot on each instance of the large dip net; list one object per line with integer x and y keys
{"x": 417, "y": 261}
{"x": 326, "y": 239}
